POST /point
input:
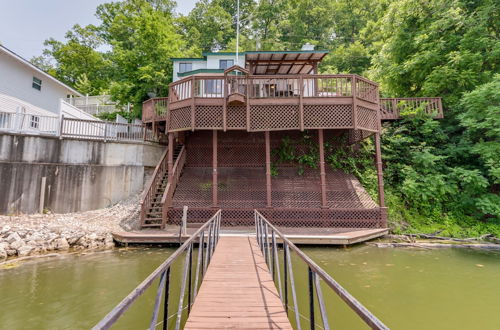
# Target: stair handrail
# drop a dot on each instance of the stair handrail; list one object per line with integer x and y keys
{"x": 267, "y": 236}
{"x": 151, "y": 186}
{"x": 206, "y": 237}
{"x": 168, "y": 194}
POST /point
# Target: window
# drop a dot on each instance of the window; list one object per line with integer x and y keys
{"x": 185, "y": 67}
{"x": 37, "y": 84}
{"x": 34, "y": 121}
{"x": 224, "y": 64}
{"x": 213, "y": 87}
{"x": 5, "y": 120}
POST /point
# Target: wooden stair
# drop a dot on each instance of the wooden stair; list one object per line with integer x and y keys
{"x": 154, "y": 210}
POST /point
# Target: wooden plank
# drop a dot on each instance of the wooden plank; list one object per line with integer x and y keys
{"x": 238, "y": 291}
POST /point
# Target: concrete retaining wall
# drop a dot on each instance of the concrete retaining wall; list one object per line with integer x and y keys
{"x": 80, "y": 175}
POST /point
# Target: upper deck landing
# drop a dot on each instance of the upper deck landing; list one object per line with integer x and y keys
{"x": 273, "y": 102}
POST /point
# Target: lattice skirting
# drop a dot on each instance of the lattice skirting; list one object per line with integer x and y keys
{"x": 367, "y": 118}
{"x": 307, "y": 218}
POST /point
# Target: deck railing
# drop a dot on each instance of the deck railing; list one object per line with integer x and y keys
{"x": 103, "y": 130}
{"x": 29, "y": 123}
{"x": 392, "y": 108}
{"x": 168, "y": 194}
{"x": 155, "y": 109}
{"x": 267, "y": 236}
{"x": 207, "y": 237}
{"x": 276, "y": 86}
{"x": 150, "y": 191}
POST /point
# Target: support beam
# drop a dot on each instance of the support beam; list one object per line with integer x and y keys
{"x": 170, "y": 161}
{"x": 301, "y": 102}
{"x": 380, "y": 175}
{"x": 214, "y": 170}
{"x": 322, "y": 172}
{"x": 268, "y": 169}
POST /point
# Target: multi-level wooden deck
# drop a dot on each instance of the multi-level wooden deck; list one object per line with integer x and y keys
{"x": 233, "y": 123}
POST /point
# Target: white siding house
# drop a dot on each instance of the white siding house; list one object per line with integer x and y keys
{"x": 209, "y": 63}
{"x": 22, "y": 80}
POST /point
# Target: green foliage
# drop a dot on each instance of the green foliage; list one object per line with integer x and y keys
{"x": 289, "y": 152}
{"x": 111, "y": 116}
{"x": 77, "y": 60}
{"x": 143, "y": 38}
{"x": 357, "y": 160}
{"x": 437, "y": 47}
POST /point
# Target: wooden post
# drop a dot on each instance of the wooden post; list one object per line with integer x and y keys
{"x": 170, "y": 161}
{"x": 315, "y": 80}
{"x": 224, "y": 105}
{"x": 193, "y": 107}
{"x": 249, "y": 85}
{"x": 301, "y": 103}
{"x": 184, "y": 220}
{"x": 268, "y": 169}
{"x": 354, "y": 102}
{"x": 380, "y": 176}
{"x": 322, "y": 172}
{"x": 214, "y": 165}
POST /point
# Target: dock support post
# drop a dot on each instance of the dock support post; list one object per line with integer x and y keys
{"x": 170, "y": 160}
{"x": 322, "y": 172}
{"x": 380, "y": 177}
{"x": 214, "y": 171}
{"x": 268, "y": 169}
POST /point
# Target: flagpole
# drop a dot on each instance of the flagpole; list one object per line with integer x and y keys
{"x": 237, "y": 30}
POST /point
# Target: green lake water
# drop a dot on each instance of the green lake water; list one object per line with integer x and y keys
{"x": 405, "y": 288}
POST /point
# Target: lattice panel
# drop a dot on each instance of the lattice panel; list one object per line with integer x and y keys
{"x": 236, "y": 117}
{"x": 357, "y": 135}
{"x": 328, "y": 116}
{"x": 235, "y": 149}
{"x": 312, "y": 218}
{"x": 274, "y": 117}
{"x": 208, "y": 116}
{"x": 367, "y": 118}
{"x": 180, "y": 119}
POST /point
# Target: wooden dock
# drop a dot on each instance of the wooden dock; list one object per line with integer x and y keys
{"x": 303, "y": 236}
{"x": 237, "y": 291}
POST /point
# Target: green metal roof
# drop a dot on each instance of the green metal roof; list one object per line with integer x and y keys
{"x": 220, "y": 53}
{"x": 205, "y": 54}
{"x": 189, "y": 73}
{"x": 187, "y": 59}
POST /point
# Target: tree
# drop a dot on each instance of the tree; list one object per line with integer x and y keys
{"x": 208, "y": 26}
{"x": 437, "y": 47}
{"x": 78, "y": 59}
{"x": 142, "y": 39}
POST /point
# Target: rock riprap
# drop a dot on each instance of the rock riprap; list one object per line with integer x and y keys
{"x": 24, "y": 235}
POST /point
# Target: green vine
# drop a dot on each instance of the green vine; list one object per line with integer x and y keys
{"x": 303, "y": 157}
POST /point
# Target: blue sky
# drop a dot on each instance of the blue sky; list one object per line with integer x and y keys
{"x": 26, "y": 24}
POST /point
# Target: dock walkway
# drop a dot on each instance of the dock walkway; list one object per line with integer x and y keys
{"x": 237, "y": 290}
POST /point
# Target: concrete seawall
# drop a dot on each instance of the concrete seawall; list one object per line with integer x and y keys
{"x": 80, "y": 175}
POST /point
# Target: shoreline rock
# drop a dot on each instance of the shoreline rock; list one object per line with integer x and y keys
{"x": 38, "y": 234}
